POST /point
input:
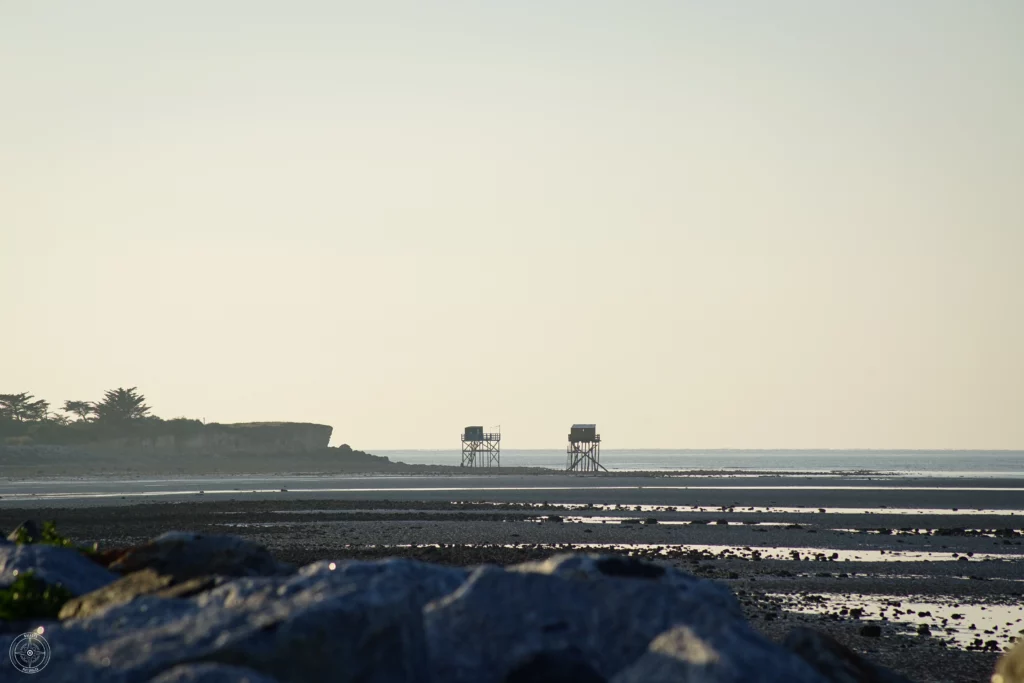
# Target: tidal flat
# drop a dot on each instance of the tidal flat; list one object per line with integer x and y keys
{"x": 937, "y": 566}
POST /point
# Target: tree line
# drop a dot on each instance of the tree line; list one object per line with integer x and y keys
{"x": 120, "y": 412}
{"x": 117, "y": 406}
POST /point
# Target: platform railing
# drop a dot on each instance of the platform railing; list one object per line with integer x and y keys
{"x": 483, "y": 437}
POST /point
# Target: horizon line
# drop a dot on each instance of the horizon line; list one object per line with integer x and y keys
{"x": 733, "y": 450}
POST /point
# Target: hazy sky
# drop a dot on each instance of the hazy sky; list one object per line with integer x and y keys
{"x": 698, "y": 224}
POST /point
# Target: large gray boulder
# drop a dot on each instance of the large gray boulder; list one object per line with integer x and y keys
{"x": 729, "y": 653}
{"x": 424, "y": 582}
{"x": 420, "y": 581}
{"x": 579, "y": 618}
{"x": 576, "y": 610}
{"x": 358, "y": 624}
{"x": 52, "y": 565}
{"x": 183, "y": 555}
{"x": 177, "y": 564}
{"x": 592, "y": 567}
{"x": 836, "y": 662}
{"x": 211, "y": 673}
{"x": 132, "y": 586}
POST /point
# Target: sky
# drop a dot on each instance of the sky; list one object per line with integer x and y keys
{"x": 795, "y": 224}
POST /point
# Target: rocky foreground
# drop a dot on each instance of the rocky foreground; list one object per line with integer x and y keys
{"x": 211, "y": 608}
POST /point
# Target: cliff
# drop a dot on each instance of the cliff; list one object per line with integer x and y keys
{"x": 256, "y": 438}
{"x": 180, "y": 447}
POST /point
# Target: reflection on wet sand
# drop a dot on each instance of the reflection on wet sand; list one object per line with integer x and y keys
{"x": 970, "y": 626}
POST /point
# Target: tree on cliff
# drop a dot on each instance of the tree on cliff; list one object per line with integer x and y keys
{"x": 121, "y": 405}
{"x": 58, "y": 419}
{"x": 83, "y": 409}
{"x": 22, "y": 408}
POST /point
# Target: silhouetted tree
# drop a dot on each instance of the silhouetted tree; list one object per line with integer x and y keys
{"x": 22, "y": 408}
{"x": 58, "y": 419}
{"x": 83, "y": 409}
{"x": 119, "y": 405}
{"x": 13, "y": 406}
{"x": 38, "y": 410}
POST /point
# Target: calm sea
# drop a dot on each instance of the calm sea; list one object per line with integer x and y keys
{"x": 913, "y": 463}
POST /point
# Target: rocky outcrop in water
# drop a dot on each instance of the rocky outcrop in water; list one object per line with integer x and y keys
{"x": 188, "y": 608}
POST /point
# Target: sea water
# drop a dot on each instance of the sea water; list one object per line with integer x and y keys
{"x": 903, "y": 462}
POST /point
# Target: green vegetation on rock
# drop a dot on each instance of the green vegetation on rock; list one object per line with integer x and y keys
{"x": 47, "y": 536}
{"x": 30, "y": 598}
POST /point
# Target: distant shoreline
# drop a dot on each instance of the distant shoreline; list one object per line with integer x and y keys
{"x": 695, "y": 451}
{"x": 456, "y": 472}
{"x": 40, "y": 462}
{"x": 81, "y": 471}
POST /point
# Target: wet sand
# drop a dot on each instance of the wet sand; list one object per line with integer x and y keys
{"x": 711, "y": 491}
{"x": 797, "y": 550}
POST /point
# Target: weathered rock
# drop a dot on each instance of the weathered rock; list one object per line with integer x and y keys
{"x": 134, "y": 585}
{"x": 211, "y": 673}
{"x": 1010, "y": 667}
{"x": 138, "y": 583}
{"x": 52, "y": 565}
{"x": 603, "y": 610}
{"x": 586, "y": 619}
{"x": 728, "y": 653}
{"x": 190, "y": 587}
{"x": 358, "y": 622}
{"x": 424, "y": 582}
{"x": 836, "y": 662}
{"x": 603, "y": 567}
{"x": 108, "y": 556}
{"x": 555, "y": 667}
{"x": 30, "y": 529}
{"x": 183, "y": 555}
{"x": 871, "y": 631}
